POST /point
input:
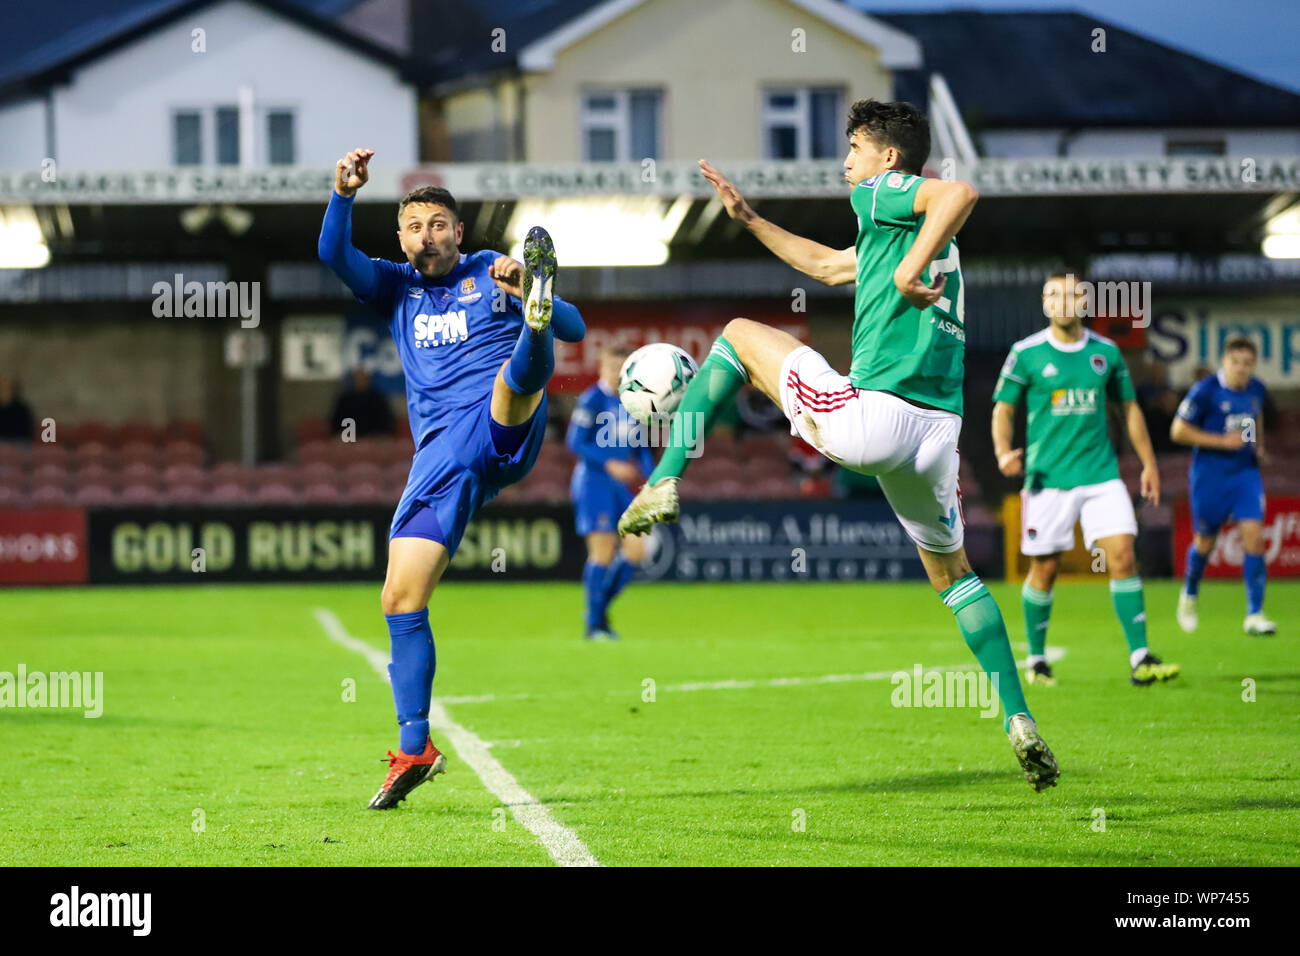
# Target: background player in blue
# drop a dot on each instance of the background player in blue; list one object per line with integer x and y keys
{"x": 612, "y": 454}
{"x": 474, "y": 333}
{"x": 1221, "y": 418}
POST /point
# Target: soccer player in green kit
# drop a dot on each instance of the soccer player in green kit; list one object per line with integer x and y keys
{"x": 1065, "y": 374}
{"x": 897, "y": 414}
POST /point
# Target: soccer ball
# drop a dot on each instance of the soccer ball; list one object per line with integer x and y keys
{"x": 654, "y": 379}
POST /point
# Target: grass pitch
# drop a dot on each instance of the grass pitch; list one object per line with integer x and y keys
{"x": 227, "y": 738}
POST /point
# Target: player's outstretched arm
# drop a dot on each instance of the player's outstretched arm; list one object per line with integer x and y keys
{"x": 945, "y": 206}
{"x": 1141, "y": 439}
{"x": 1010, "y": 460}
{"x": 1185, "y": 433}
{"x": 335, "y": 247}
{"x": 828, "y": 266}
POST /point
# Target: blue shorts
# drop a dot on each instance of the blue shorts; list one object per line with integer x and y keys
{"x": 1215, "y": 499}
{"x": 459, "y": 470}
{"x": 598, "y": 501}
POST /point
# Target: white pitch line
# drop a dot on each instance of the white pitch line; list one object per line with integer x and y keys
{"x": 564, "y": 846}
{"x": 1053, "y": 654}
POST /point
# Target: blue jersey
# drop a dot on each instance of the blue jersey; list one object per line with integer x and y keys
{"x": 450, "y": 340}
{"x": 601, "y": 430}
{"x": 1212, "y": 406}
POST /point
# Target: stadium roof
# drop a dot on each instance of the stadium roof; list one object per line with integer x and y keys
{"x": 1027, "y": 69}
{"x": 54, "y": 39}
{"x": 1036, "y": 69}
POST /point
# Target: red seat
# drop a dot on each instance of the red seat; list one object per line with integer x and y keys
{"x": 316, "y": 451}
{"x": 276, "y": 493}
{"x": 144, "y": 433}
{"x": 320, "y": 493}
{"x": 317, "y": 473}
{"x": 139, "y": 452}
{"x": 93, "y": 431}
{"x": 311, "y": 429}
{"x": 12, "y": 497}
{"x": 94, "y": 495}
{"x": 94, "y": 451}
{"x": 228, "y": 473}
{"x": 228, "y": 494}
{"x": 176, "y": 474}
{"x": 363, "y": 472}
{"x": 44, "y": 453}
{"x": 182, "y": 495}
{"x": 139, "y": 495}
{"x": 49, "y": 474}
{"x": 182, "y": 453}
{"x": 140, "y": 473}
{"x": 94, "y": 473}
{"x": 14, "y": 454}
{"x": 184, "y": 429}
{"x": 50, "y": 496}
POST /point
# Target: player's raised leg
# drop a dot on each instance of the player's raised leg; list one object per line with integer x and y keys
{"x": 517, "y": 391}
{"x": 985, "y": 632}
{"x": 1127, "y": 597}
{"x": 1036, "y": 604}
{"x": 747, "y": 351}
{"x": 1254, "y": 572}
{"x": 416, "y": 561}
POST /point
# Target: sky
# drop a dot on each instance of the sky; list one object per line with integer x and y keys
{"x": 1258, "y": 37}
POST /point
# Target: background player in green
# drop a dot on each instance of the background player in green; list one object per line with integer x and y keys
{"x": 897, "y": 415}
{"x": 1065, "y": 374}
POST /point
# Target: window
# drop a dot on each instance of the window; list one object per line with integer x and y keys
{"x": 803, "y": 123}
{"x": 187, "y": 141}
{"x": 228, "y": 135}
{"x": 620, "y": 125}
{"x": 279, "y": 138}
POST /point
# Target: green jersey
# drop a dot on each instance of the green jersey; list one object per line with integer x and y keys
{"x": 916, "y": 354}
{"x": 1065, "y": 387}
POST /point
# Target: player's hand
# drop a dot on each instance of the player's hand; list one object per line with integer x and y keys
{"x": 508, "y": 274}
{"x": 1012, "y": 463}
{"x": 1232, "y": 441}
{"x": 732, "y": 200}
{"x": 352, "y": 172}
{"x": 916, "y": 292}
{"x": 623, "y": 471}
{"x": 1149, "y": 483}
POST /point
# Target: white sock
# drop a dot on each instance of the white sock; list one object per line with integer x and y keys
{"x": 1035, "y": 659}
{"x": 1136, "y": 656}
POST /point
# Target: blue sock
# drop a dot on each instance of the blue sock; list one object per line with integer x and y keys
{"x": 616, "y": 579}
{"x": 593, "y": 586}
{"x": 1195, "y": 568}
{"x": 1255, "y": 572}
{"x": 532, "y": 361}
{"x": 411, "y": 673}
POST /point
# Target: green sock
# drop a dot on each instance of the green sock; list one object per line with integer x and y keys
{"x": 1038, "y": 611}
{"x": 985, "y": 633}
{"x": 716, "y": 383}
{"x": 1130, "y": 608}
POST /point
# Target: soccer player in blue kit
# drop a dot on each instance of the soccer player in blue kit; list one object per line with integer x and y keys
{"x": 1221, "y": 418}
{"x": 476, "y": 361}
{"x": 612, "y": 453}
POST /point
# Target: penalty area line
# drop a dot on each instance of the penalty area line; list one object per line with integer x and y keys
{"x": 563, "y": 845}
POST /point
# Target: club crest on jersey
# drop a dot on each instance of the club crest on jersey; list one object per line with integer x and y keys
{"x": 1098, "y": 363}
{"x": 448, "y": 328}
{"x": 895, "y": 181}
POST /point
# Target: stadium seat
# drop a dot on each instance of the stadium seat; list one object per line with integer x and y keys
{"x": 184, "y": 429}
{"x": 309, "y": 430}
{"x": 363, "y": 472}
{"x": 321, "y": 493}
{"x": 138, "y": 452}
{"x": 49, "y": 474}
{"x": 94, "y": 451}
{"x": 316, "y": 451}
{"x": 50, "y": 496}
{"x": 139, "y": 432}
{"x": 317, "y": 473}
{"x": 12, "y": 497}
{"x": 14, "y": 454}
{"x": 95, "y": 473}
{"x": 140, "y": 473}
{"x": 228, "y": 473}
{"x": 228, "y": 493}
{"x": 182, "y": 474}
{"x": 275, "y": 493}
{"x": 182, "y": 453}
{"x": 91, "y": 496}
{"x": 139, "y": 495}
{"x": 94, "y": 431}
{"x": 44, "y": 453}
{"x": 182, "y": 495}
{"x": 368, "y": 494}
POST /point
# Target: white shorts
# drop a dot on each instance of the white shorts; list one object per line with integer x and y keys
{"x": 1047, "y": 516}
{"x": 911, "y": 451}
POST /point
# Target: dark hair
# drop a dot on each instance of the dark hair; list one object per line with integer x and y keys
{"x": 434, "y": 195}
{"x": 1239, "y": 341}
{"x": 900, "y": 125}
{"x": 1075, "y": 269}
